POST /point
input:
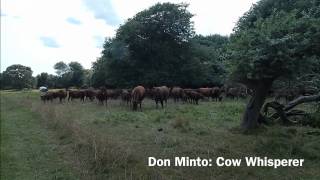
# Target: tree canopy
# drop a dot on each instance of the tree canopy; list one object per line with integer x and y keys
{"x": 156, "y": 47}
{"x": 17, "y": 77}
{"x": 274, "y": 39}
{"x": 71, "y": 74}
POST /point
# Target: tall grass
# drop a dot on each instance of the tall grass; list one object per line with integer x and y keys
{"x": 113, "y": 142}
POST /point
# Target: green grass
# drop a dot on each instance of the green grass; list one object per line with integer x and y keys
{"x": 28, "y": 151}
{"x": 113, "y": 142}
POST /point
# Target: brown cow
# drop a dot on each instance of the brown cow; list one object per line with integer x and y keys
{"x": 48, "y": 96}
{"x": 236, "y": 92}
{"x": 160, "y": 94}
{"x": 177, "y": 93}
{"x": 61, "y": 94}
{"x": 113, "y": 93}
{"x": 194, "y": 96}
{"x": 216, "y": 93}
{"x": 76, "y": 94}
{"x": 206, "y": 92}
{"x": 89, "y": 94}
{"x": 126, "y": 96}
{"x": 137, "y": 94}
{"x": 51, "y": 95}
{"x": 101, "y": 96}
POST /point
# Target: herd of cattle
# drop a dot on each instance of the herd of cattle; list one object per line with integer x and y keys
{"x": 160, "y": 95}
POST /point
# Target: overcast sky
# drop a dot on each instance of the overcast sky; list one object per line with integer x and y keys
{"x": 39, "y": 33}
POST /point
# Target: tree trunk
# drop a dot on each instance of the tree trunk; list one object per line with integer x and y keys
{"x": 252, "y": 113}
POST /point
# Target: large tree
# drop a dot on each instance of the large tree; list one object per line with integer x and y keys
{"x": 152, "y": 48}
{"x": 42, "y": 79}
{"x": 71, "y": 74}
{"x": 18, "y": 77}
{"x": 61, "y": 68}
{"x": 274, "y": 39}
{"x": 76, "y": 74}
{"x": 210, "y": 51}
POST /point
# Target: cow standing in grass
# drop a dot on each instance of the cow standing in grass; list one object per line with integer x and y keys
{"x": 126, "y": 96}
{"x": 48, "y": 96}
{"x": 236, "y": 92}
{"x": 61, "y": 94}
{"x": 101, "y": 96}
{"x": 160, "y": 94}
{"x": 194, "y": 96}
{"x": 206, "y": 92}
{"x": 177, "y": 94}
{"x": 76, "y": 94}
{"x": 216, "y": 94}
{"x": 113, "y": 93}
{"x": 89, "y": 94}
{"x": 137, "y": 94}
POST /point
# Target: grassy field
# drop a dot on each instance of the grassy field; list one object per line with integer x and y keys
{"x": 89, "y": 141}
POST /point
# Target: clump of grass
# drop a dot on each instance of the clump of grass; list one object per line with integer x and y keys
{"x": 181, "y": 123}
{"x": 288, "y": 142}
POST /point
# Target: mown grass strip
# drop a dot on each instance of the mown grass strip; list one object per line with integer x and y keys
{"x": 28, "y": 150}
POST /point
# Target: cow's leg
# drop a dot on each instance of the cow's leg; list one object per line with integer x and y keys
{"x": 161, "y": 103}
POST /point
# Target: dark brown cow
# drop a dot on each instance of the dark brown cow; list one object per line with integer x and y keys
{"x": 177, "y": 93}
{"x": 236, "y": 92}
{"x": 48, "y": 96}
{"x": 206, "y": 92}
{"x": 89, "y": 94}
{"x": 194, "y": 96}
{"x": 51, "y": 95}
{"x": 76, "y": 94}
{"x": 61, "y": 94}
{"x": 137, "y": 94}
{"x": 160, "y": 94}
{"x": 126, "y": 96}
{"x": 216, "y": 93}
{"x": 101, "y": 96}
{"x": 113, "y": 93}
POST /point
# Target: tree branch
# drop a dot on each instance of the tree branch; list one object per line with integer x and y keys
{"x": 300, "y": 100}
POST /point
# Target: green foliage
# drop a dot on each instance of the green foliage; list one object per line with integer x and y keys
{"x": 1, "y": 81}
{"x": 152, "y": 48}
{"x": 76, "y": 74}
{"x": 275, "y": 39}
{"x": 61, "y": 68}
{"x": 69, "y": 75}
{"x": 210, "y": 51}
{"x": 88, "y": 77}
{"x": 42, "y": 79}
{"x": 17, "y": 77}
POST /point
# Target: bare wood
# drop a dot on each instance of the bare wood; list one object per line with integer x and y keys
{"x": 300, "y": 100}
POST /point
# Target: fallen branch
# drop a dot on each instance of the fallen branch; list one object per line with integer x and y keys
{"x": 283, "y": 112}
{"x": 300, "y": 100}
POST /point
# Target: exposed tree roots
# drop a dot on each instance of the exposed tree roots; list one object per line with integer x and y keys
{"x": 282, "y": 112}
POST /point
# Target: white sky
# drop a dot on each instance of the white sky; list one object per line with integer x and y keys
{"x": 39, "y": 33}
